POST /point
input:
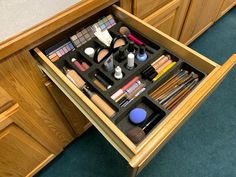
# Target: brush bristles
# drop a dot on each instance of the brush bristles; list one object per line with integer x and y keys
{"x": 136, "y": 135}
{"x": 124, "y": 31}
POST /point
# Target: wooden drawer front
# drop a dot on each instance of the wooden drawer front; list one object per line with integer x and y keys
{"x": 139, "y": 155}
{"x": 142, "y": 9}
{"x": 169, "y": 19}
{"x": 19, "y": 153}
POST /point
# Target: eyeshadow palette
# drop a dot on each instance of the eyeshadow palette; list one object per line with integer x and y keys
{"x": 134, "y": 81}
{"x": 59, "y": 49}
{"x": 106, "y": 22}
{"x": 84, "y": 35}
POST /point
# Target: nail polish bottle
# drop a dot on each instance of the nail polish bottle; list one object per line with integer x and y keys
{"x": 118, "y": 73}
{"x": 131, "y": 47}
{"x": 130, "y": 61}
{"x": 122, "y": 54}
{"x": 142, "y": 55}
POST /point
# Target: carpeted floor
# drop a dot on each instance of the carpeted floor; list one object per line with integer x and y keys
{"x": 204, "y": 147}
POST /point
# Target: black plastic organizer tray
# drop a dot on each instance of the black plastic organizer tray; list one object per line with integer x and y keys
{"x": 143, "y": 100}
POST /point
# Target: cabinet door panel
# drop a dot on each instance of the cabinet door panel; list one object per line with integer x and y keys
{"x": 226, "y": 6}
{"x": 200, "y": 17}
{"x": 76, "y": 119}
{"x": 20, "y": 153}
{"x": 144, "y": 8}
{"x": 170, "y": 18}
{"x": 38, "y": 114}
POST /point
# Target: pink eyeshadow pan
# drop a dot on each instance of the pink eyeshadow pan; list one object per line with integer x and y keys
{"x": 62, "y": 52}
{"x": 65, "y": 49}
{"x": 58, "y": 54}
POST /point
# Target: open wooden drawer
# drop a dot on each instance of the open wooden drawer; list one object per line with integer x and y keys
{"x": 139, "y": 155}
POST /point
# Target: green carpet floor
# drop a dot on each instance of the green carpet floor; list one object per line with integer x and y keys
{"x": 204, "y": 147}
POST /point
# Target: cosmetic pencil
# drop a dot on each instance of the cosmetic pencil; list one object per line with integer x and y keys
{"x": 129, "y": 90}
{"x": 130, "y": 95}
{"x": 121, "y": 90}
{"x": 151, "y": 71}
{"x": 164, "y": 71}
{"x": 136, "y": 95}
{"x": 99, "y": 85}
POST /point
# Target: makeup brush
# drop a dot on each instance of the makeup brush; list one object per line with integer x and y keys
{"x": 167, "y": 84}
{"x": 172, "y": 82}
{"x": 178, "y": 89}
{"x": 137, "y": 134}
{"x": 177, "y": 84}
{"x": 178, "y": 98}
{"x": 126, "y": 32}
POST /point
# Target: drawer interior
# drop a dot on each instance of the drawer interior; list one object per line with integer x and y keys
{"x": 147, "y": 103}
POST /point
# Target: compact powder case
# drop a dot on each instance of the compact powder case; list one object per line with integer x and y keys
{"x": 101, "y": 54}
{"x": 118, "y": 42}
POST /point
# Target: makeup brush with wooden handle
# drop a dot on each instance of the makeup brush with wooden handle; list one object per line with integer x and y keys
{"x": 172, "y": 88}
{"x": 174, "y": 80}
{"x": 178, "y": 98}
{"x": 137, "y": 134}
{"x": 178, "y": 89}
{"x": 80, "y": 83}
{"x": 170, "y": 85}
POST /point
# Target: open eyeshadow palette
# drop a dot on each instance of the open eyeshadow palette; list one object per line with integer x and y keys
{"x": 133, "y": 80}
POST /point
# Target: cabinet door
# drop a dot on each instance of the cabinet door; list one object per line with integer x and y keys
{"x": 20, "y": 154}
{"x": 38, "y": 113}
{"x": 76, "y": 119}
{"x": 201, "y": 15}
{"x": 226, "y": 6}
{"x": 169, "y": 19}
{"x": 142, "y": 9}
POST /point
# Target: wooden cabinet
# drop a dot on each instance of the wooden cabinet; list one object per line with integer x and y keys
{"x": 170, "y": 18}
{"x": 145, "y": 8}
{"x": 20, "y": 154}
{"x": 226, "y": 6}
{"x": 38, "y": 112}
{"x": 201, "y": 15}
{"x": 183, "y": 20}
